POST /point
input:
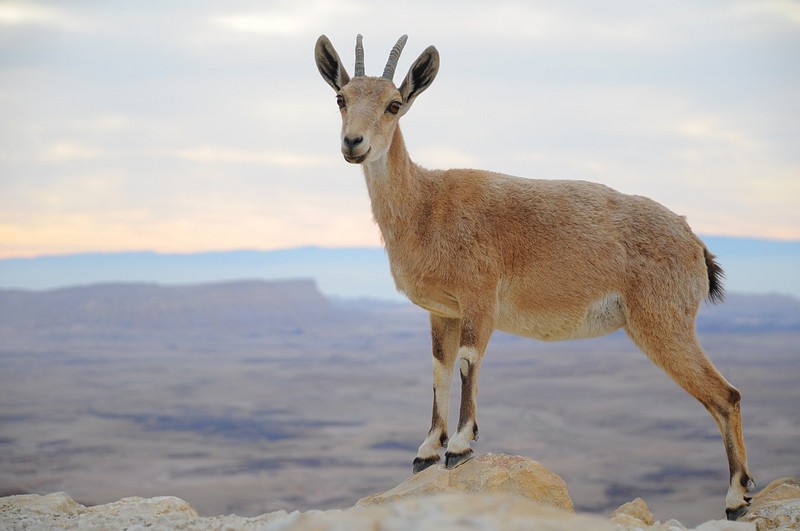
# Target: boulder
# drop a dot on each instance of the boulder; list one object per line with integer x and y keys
{"x": 144, "y": 507}
{"x": 725, "y": 525}
{"x": 489, "y": 512}
{"x": 635, "y": 513}
{"x": 776, "y": 506}
{"x": 57, "y": 503}
{"x": 636, "y": 516}
{"x": 58, "y": 511}
{"x": 486, "y": 474}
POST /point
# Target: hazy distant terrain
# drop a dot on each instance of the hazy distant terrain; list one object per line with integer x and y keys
{"x": 254, "y": 396}
{"x": 751, "y": 266}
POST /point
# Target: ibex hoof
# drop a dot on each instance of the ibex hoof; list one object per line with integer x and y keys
{"x": 452, "y": 460}
{"x": 735, "y": 514}
{"x": 421, "y": 463}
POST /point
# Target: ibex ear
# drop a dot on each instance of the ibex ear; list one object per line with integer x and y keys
{"x": 329, "y": 64}
{"x": 420, "y": 76}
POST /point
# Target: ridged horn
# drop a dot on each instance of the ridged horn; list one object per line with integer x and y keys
{"x": 394, "y": 56}
{"x": 359, "y": 56}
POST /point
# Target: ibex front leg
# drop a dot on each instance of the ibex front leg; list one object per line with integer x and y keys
{"x": 475, "y": 333}
{"x": 445, "y": 335}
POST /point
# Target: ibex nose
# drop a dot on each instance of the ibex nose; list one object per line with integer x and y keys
{"x": 353, "y": 142}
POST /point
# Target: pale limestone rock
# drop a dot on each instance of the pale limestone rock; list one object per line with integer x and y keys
{"x": 636, "y": 516}
{"x": 636, "y": 510}
{"x": 56, "y": 503}
{"x": 480, "y": 497}
{"x": 60, "y": 512}
{"x": 136, "y": 506}
{"x": 669, "y": 525}
{"x": 448, "y": 511}
{"x": 777, "y": 506}
{"x": 725, "y": 525}
{"x": 488, "y": 474}
{"x": 489, "y": 512}
{"x": 627, "y": 522}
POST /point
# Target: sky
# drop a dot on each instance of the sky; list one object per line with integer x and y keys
{"x": 197, "y": 126}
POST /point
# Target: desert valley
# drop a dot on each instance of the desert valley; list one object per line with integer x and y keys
{"x": 249, "y": 397}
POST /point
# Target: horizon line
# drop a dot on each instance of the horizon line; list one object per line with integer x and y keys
{"x": 157, "y": 252}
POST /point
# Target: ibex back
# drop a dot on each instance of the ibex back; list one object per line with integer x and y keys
{"x": 544, "y": 259}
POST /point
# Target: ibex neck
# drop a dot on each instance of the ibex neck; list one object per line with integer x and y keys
{"x": 393, "y": 185}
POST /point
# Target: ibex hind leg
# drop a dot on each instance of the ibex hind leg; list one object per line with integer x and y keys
{"x": 673, "y": 346}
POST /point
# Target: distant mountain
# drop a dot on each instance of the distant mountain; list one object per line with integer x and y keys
{"x": 346, "y": 272}
{"x": 245, "y": 306}
{"x": 751, "y": 266}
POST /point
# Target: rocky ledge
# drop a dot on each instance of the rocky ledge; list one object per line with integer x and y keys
{"x": 491, "y": 492}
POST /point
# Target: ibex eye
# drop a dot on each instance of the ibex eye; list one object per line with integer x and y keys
{"x": 394, "y": 107}
{"x": 340, "y": 102}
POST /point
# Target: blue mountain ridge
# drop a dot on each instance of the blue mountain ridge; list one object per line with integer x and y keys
{"x": 751, "y": 266}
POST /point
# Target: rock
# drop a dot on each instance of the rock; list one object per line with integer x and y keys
{"x": 487, "y": 512}
{"x": 429, "y": 513}
{"x": 487, "y": 474}
{"x": 777, "y": 506}
{"x": 142, "y": 507}
{"x": 627, "y": 522}
{"x": 59, "y": 511}
{"x": 490, "y": 492}
{"x": 632, "y": 512}
{"x": 725, "y": 525}
{"x": 674, "y": 525}
{"x": 636, "y": 515}
{"x": 58, "y": 503}
{"x": 669, "y": 525}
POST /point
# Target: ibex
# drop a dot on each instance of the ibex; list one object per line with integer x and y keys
{"x": 545, "y": 259}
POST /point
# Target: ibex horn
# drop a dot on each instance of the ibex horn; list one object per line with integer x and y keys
{"x": 359, "y": 56}
{"x": 394, "y": 56}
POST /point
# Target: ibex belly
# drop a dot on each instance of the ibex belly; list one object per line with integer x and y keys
{"x": 601, "y": 317}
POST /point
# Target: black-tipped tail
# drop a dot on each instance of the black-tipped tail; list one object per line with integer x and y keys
{"x": 716, "y": 293}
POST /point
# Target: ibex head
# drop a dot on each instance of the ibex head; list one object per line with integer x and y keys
{"x": 372, "y": 106}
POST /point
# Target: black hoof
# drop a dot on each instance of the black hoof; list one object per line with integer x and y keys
{"x": 421, "y": 463}
{"x": 735, "y": 514}
{"x": 452, "y": 460}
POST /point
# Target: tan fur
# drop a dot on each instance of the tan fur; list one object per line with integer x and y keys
{"x": 550, "y": 260}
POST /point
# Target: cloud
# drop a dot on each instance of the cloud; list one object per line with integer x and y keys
{"x": 784, "y": 10}
{"x": 299, "y": 17}
{"x": 708, "y": 130}
{"x": 209, "y": 113}
{"x": 196, "y": 223}
{"x": 534, "y": 22}
{"x": 446, "y": 157}
{"x": 215, "y": 154}
{"x": 70, "y": 151}
{"x": 271, "y": 24}
{"x": 17, "y": 14}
